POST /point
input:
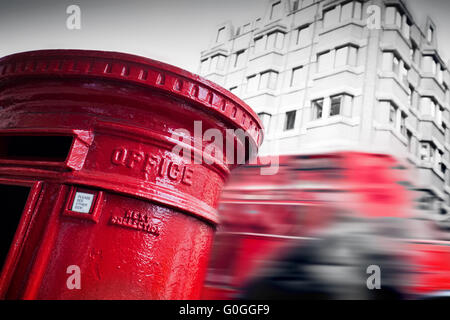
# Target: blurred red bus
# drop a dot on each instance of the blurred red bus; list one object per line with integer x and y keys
{"x": 262, "y": 215}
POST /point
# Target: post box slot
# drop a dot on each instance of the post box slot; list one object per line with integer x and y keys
{"x": 35, "y": 148}
{"x": 12, "y": 203}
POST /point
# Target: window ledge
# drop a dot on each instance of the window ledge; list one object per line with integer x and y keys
{"x": 389, "y": 127}
{"x": 288, "y": 133}
{"x": 237, "y": 69}
{"x": 447, "y": 146}
{"x": 261, "y": 92}
{"x": 298, "y": 47}
{"x": 214, "y": 73}
{"x": 393, "y": 75}
{"x": 414, "y": 111}
{"x": 265, "y": 52}
{"x": 357, "y": 22}
{"x": 272, "y": 26}
{"x": 431, "y": 75}
{"x": 327, "y": 73}
{"x": 218, "y": 48}
{"x": 301, "y": 8}
{"x": 428, "y": 118}
{"x": 447, "y": 188}
{"x": 414, "y": 65}
{"x": 394, "y": 27}
{"x": 293, "y": 89}
{"x": 412, "y": 158}
{"x": 332, "y": 120}
{"x": 427, "y": 165}
{"x": 439, "y": 173}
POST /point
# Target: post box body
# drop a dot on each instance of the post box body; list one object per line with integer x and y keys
{"x": 112, "y": 211}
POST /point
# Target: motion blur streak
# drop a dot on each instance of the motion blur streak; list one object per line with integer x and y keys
{"x": 332, "y": 226}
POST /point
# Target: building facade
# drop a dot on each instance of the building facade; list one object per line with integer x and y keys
{"x": 335, "y": 75}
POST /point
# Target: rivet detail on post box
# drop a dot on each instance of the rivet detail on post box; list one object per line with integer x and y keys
{"x": 84, "y": 203}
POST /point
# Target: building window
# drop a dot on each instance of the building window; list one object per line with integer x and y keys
{"x": 317, "y": 108}
{"x": 289, "y": 120}
{"x": 324, "y": 61}
{"x": 393, "y": 16}
{"x": 392, "y": 114}
{"x": 393, "y": 63}
{"x": 414, "y": 52}
{"x": 341, "y": 13}
{"x": 431, "y": 154}
{"x": 403, "y": 124}
{"x": 218, "y": 62}
{"x": 443, "y": 168}
{"x": 275, "y": 40}
{"x": 397, "y": 118}
{"x": 406, "y": 27}
{"x": 340, "y": 104}
{"x": 412, "y": 97}
{"x": 264, "y": 80}
{"x": 265, "y": 119}
{"x": 303, "y": 36}
{"x": 306, "y": 3}
{"x": 409, "y": 141}
{"x": 275, "y": 11}
{"x": 220, "y": 35}
{"x": 439, "y": 112}
{"x": 252, "y": 83}
{"x": 428, "y": 106}
{"x": 447, "y": 94}
{"x": 233, "y": 89}
{"x": 330, "y": 17}
{"x": 342, "y": 56}
{"x": 246, "y": 28}
{"x": 440, "y": 74}
{"x": 429, "y": 64}
{"x": 446, "y": 132}
{"x": 243, "y": 29}
{"x": 351, "y": 10}
{"x": 430, "y": 34}
{"x": 438, "y": 161}
{"x": 259, "y": 45}
{"x": 239, "y": 59}
{"x": 204, "y": 66}
{"x": 268, "y": 80}
{"x": 336, "y": 105}
{"x": 427, "y": 151}
{"x": 404, "y": 73}
{"x": 346, "y": 55}
{"x": 297, "y": 77}
{"x": 347, "y": 11}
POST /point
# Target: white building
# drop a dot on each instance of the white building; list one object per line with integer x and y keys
{"x": 326, "y": 75}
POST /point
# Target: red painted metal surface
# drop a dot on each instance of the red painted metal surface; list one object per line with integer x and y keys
{"x": 148, "y": 230}
{"x": 433, "y": 261}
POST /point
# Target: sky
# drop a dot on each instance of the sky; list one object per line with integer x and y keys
{"x": 172, "y": 31}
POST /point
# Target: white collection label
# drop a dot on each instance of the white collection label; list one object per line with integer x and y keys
{"x": 82, "y": 202}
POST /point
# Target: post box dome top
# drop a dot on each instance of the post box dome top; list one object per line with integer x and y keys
{"x": 133, "y": 69}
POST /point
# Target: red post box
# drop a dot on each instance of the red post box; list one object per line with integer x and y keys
{"x": 97, "y": 205}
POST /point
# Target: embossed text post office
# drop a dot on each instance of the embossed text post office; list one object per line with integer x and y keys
{"x": 96, "y": 205}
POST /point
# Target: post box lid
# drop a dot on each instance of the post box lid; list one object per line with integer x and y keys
{"x": 133, "y": 69}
